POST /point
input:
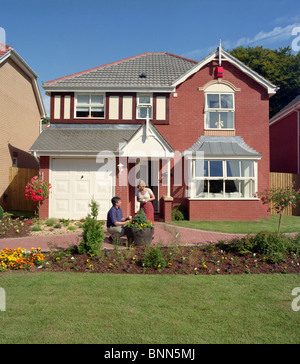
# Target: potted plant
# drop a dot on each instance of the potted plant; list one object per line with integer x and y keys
{"x": 140, "y": 231}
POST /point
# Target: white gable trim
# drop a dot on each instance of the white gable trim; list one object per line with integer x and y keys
{"x": 214, "y": 56}
{"x": 147, "y": 142}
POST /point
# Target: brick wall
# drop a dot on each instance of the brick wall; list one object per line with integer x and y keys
{"x": 44, "y": 173}
{"x": 226, "y": 210}
{"x": 283, "y": 145}
{"x": 122, "y": 191}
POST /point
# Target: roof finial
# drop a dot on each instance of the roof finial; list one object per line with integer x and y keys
{"x": 220, "y": 53}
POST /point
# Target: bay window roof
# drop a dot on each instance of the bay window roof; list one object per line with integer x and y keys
{"x": 223, "y": 147}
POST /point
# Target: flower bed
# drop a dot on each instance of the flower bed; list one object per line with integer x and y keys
{"x": 21, "y": 227}
{"x": 210, "y": 259}
{"x": 20, "y": 258}
{"x": 14, "y": 228}
{"x": 261, "y": 253}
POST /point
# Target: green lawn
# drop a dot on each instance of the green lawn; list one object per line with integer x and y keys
{"x": 156, "y": 309}
{"x": 290, "y": 224}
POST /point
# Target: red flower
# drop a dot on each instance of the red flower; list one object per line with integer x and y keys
{"x": 37, "y": 190}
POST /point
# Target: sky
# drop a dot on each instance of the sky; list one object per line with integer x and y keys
{"x": 61, "y": 37}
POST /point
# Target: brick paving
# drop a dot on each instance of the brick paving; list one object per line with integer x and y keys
{"x": 166, "y": 234}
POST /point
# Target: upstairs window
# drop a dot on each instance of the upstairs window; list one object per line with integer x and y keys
{"x": 90, "y": 106}
{"x": 219, "y": 111}
{"x": 144, "y": 103}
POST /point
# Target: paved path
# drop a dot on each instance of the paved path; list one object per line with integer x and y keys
{"x": 164, "y": 233}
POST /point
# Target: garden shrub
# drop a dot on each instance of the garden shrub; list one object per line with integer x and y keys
{"x": 295, "y": 244}
{"x": 1, "y": 212}
{"x": 93, "y": 234}
{"x": 179, "y": 213}
{"x": 36, "y": 228}
{"x": 273, "y": 246}
{"x": 51, "y": 221}
{"x": 154, "y": 257}
{"x": 267, "y": 243}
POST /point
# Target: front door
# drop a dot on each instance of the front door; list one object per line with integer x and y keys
{"x": 149, "y": 172}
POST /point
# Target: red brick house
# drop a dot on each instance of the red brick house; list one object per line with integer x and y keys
{"x": 196, "y": 132}
{"x": 285, "y": 139}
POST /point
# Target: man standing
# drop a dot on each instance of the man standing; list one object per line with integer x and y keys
{"x": 115, "y": 220}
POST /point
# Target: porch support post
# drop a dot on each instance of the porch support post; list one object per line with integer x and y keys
{"x": 168, "y": 200}
{"x": 169, "y": 178}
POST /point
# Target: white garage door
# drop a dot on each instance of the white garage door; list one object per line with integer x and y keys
{"x": 75, "y": 182}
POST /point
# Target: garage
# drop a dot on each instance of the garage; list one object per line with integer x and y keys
{"x": 75, "y": 182}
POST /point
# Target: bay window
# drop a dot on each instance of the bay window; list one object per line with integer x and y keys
{"x": 89, "y": 106}
{"x": 218, "y": 179}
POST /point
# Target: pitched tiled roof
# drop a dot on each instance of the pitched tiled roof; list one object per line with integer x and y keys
{"x": 158, "y": 69}
{"x": 81, "y": 140}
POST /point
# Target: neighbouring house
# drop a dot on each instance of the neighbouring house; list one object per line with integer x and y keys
{"x": 285, "y": 139}
{"x": 196, "y": 132}
{"x": 21, "y": 110}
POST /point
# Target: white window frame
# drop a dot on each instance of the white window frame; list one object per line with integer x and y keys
{"x": 89, "y": 105}
{"x": 224, "y": 178}
{"x": 220, "y": 109}
{"x": 149, "y": 105}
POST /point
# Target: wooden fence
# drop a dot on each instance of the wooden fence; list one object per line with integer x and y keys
{"x": 18, "y": 178}
{"x": 284, "y": 180}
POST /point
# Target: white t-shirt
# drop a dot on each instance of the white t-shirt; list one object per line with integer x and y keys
{"x": 146, "y": 196}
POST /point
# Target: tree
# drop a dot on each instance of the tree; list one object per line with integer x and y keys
{"x": 281, "y": 198}
{"x": 93, "y": 234}
{"x": 280, "y": 67}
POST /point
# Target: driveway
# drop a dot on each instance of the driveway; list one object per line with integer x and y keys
{"x": 165, "y": 234}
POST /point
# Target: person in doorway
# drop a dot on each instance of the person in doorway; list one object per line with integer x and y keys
{"x": 115, "y": 220}
{"x": 145, "y": 196}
